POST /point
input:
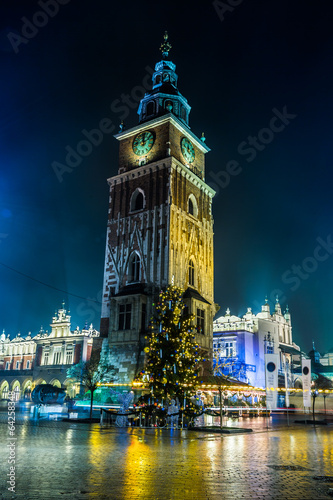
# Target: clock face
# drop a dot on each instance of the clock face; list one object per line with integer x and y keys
{"x": 143, "y": 143}
{"x": 187, "y": 150}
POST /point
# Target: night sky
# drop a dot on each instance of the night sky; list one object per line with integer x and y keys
{"x": 238, "y": 69}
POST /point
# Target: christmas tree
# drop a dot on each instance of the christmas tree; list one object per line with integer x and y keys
{"x": 173, "y": 356}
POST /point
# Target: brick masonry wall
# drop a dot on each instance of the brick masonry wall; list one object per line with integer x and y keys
{"x": 77, "y": 353}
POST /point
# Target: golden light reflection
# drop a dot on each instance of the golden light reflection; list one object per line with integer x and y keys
{"x": 69, "y": 446}
{"x": 191, "y": 464}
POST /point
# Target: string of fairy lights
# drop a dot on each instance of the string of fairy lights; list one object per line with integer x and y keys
{"x": 173, "y": 356}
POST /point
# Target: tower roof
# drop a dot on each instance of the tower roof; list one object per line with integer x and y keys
{"x": 164, "y": 97}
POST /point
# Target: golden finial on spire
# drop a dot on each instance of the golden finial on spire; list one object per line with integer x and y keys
{"x": 166, "y": 46}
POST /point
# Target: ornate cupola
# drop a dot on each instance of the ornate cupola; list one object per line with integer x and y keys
{"x": 277, "y": 306}
{"x": 287, "y": 315}
{"x": 164, "y": 97}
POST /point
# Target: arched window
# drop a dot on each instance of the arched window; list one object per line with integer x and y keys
{"x": 183, "y": 114}
{"x": 168, "y": 105}
{"x": 192, "y": 206}
{"x": 137, "y": 200}
{"x": 134, "y": 268}
{"x": 191, "y": 273}
{"x": 150, "y": 108}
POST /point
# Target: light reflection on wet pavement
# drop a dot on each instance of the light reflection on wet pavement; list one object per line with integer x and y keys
{"x": 78, "y": 460}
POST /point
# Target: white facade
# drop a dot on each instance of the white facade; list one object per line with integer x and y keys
{"x": 327, "y": 359}
{"x": 240, "y": 344}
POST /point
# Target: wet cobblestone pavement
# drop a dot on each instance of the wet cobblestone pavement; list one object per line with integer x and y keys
{"x": 81, "y": 461}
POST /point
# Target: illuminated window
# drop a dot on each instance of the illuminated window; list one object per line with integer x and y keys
{"x": 46, "y": 357}
{"x": 229, "y": 349}
{"x": 57, "y": 356}
{"x": 270, "y": 349}
{"x": 168, "y": 105}
{"x": 201, "y": 321}
{"x": 191, "y": 273}
{"x": 16, "y": 393}
{"x": 125, "y": 312}
{"x": 69, "y": 357}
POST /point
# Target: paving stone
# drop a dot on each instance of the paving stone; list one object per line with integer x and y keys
{"x": 69, "y": 460}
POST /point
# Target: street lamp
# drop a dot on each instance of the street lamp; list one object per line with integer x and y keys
{"x": 314, "y": 395}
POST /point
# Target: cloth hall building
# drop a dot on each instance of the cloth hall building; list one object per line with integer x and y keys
{"x": 44, "y": 358}
{"x": 240, "y": 345}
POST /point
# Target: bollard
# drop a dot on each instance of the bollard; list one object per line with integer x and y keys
{"x": 36, "y": 412}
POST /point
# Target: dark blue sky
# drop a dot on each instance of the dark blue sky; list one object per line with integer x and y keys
{"x": 66, "y": 75}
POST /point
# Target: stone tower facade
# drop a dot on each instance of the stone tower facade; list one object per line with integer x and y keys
{"x": 160, "y": 224}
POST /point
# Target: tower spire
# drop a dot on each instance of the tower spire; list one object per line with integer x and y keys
{"x": 165, "y": 46}
{"x": 164, "y": 97}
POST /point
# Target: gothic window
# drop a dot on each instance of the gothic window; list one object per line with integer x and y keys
{"x": 192, "y": 206}
{"x": 16, "y": 393}
{"x": 137, "y": 200}
{"x": 191, "y": 273}
{"x": 201, "y": 321}
{"x": 150, "y": 108}
{"x": 125, "y": 312}
{"x": 5, "y": 391}
{"x": 134, "y": 268}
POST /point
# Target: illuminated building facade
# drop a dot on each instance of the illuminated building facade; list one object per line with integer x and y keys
{"x": 160, "y": 224}
{"x": 44, "y": 358}
{"x": 240, "y": 345}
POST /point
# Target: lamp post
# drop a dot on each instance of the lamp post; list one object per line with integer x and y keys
{"x": 268, "y": 349}
{"x": 221, "y": 408}
{"x": 314, "y": 395}
{"x": 324, "y": 395}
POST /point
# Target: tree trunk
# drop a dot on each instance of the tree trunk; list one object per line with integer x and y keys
{"x": 91, "y": 403}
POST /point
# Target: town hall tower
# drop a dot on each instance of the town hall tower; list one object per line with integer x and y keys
{"x": 160, "y": 224}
